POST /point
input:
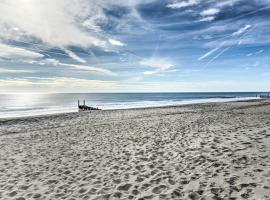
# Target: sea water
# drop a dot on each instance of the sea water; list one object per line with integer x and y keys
{"x": 18, "y": 105}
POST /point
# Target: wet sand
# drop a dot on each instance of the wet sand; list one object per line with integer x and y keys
{"x": 206, "y": 151}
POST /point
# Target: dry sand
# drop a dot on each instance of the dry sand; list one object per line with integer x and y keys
{"x": 208, "y": 151}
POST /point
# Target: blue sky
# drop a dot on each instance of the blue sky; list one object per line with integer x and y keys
{"x": 134, "y": 45}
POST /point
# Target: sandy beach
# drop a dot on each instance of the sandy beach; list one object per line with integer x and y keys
{"x": 202, "y": 151}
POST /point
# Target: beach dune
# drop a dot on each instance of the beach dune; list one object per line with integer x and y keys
{"x": 200, "y": 151}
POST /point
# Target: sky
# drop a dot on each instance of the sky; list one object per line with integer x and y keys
{"x": 134, "y": 45}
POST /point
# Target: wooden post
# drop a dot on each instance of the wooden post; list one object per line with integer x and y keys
{"x": 84, "y": 102}
{"x": 78, "y": 103}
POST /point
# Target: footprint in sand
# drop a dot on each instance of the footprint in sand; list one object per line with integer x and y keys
{"x": 124, "y": 187}
{"x": 159, "y": 189}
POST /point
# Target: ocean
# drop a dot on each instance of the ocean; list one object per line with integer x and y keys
{"x": 19, "y": 105}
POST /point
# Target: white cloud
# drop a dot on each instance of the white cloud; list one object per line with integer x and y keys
{"x": 56, "y": 84}
{"x": 241, "y": 30}
{"x": 116, "y": 42}
{"x": 58, "y": 23}
{"x": 229, "y": 42}
{"x": 150, "y": 72}
{"x": 68, "y": 84}
{"x": 50, "y": 61}
{"x": 210, "y": 12}
{"x": 222, "y": 4}
{"x": 10, "y": 52}
{"x": 209, "y": 53}
{"x": 74, "y": 56}
{"x": 217, "y": 56}
{"x": 198, "y": 86}
{"x": 15, "y": 71}
{"x": 207, "y": 19}
{"x": 183, "y": 4}
{"x": 90, "y": 69}
{"x": 158, "y": 64}
{"x": 87, "y": 68}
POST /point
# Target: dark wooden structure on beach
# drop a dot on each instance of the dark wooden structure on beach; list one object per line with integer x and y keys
{"x": 85, "y": 107}
{"x": 265, "y": 96}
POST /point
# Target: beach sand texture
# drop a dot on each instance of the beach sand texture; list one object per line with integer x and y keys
{"x": 207, "y": 151}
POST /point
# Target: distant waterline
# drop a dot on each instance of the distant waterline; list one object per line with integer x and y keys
{"x": 19, "y": 105}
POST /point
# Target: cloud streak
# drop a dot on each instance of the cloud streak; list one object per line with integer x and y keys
{"x": 116, "y": 43}
{"x": 11, "y": 52}
{"x": 86, "y": 68}
{"x": 210, "y": 11}
{"x": 242, "y": 30}
{"x": 183, "y": 4}
{"x": 15, "y": 71}
{"x": 160, "y": 65}
{"x": 55, "y": 84}
{"x": 74, "y": 56}
{"x": 209, "y": 53}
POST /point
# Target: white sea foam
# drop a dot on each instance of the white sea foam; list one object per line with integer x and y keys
{"x": 147, "y": 104}
{"x": 17, "y": 111}
{"x": 35, "y": 111}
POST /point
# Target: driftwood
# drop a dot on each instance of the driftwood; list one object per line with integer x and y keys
{"x": 85, "y": 107}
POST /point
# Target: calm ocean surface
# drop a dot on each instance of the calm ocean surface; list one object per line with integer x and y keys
{"x": 16, "y": 105}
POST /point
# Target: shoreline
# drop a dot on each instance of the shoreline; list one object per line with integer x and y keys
{"x": 226, "y": 100}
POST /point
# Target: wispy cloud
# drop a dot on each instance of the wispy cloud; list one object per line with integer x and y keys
{"x": 222, "y": 4}
{"x": 207, "y": 19}
{"x": 87, "y": 68}
{"x": 90, "y": 69}
{"x": 217, "y": 56}
{"x": 55, "y": 84}
{"x": 210, "y": 11}
{"x": 236, "y": 38}
{"x": 15, "y": 71}
{"x": 183, "y": 4}
{"x": 209, "y": 14}
{"x": 116, "y": 43}
{"x": 158, "y": 64}
{"x": 11, "y": 52}
{"x": 74, "y": 56}
{"x": 56, "y": 29}
{"x": 209, "y": 53}
{"x": 241, "y": 30}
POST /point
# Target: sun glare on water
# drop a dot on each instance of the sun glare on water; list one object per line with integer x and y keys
{"x": 27, "y": 99}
